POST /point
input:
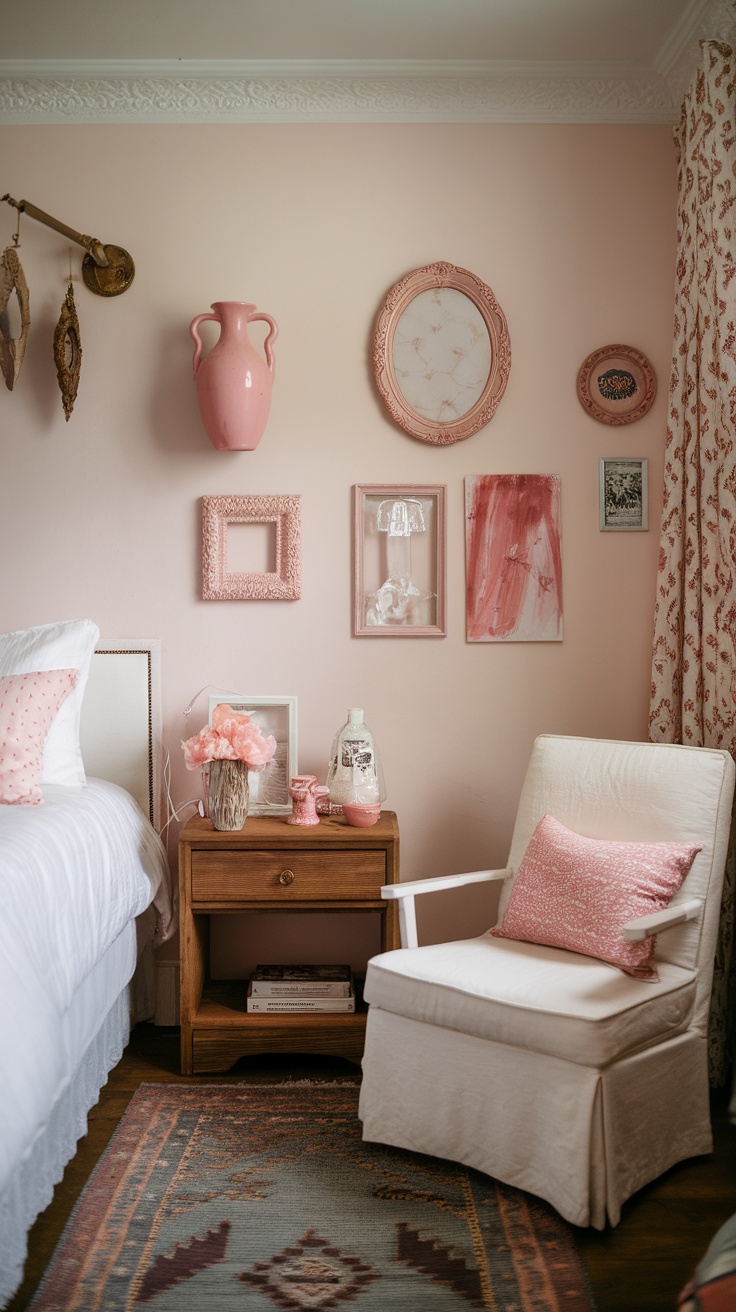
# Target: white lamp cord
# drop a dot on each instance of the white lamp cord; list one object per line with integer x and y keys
{"x": 173, "y": 812}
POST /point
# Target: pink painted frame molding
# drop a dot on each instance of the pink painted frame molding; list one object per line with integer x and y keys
{"x": 218, "y": 583}
{"x": 401, "y": 294}
{"x": 368, "y": 573}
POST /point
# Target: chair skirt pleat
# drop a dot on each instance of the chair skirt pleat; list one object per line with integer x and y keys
{"x": 518, "y": 1115}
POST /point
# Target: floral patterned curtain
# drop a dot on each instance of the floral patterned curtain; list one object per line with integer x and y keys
{"x": 693, "y": 694}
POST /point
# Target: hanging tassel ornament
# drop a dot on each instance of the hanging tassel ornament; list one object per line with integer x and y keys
{"x": 13, "y": 279}
{"x": 68, "y": 351}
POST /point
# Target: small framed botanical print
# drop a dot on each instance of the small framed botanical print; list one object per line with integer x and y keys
{"x": 623, "y": 495}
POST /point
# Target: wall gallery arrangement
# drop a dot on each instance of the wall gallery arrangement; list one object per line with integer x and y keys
{"x": 441, "y": 362}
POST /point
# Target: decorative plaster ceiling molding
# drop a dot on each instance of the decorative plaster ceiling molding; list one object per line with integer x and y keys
{"x": 181, "y": 91}
{"x": 710, "y": 20}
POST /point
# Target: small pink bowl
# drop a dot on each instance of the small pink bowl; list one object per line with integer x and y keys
{"x": 361, "y": 815}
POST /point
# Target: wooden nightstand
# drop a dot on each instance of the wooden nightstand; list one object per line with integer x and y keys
{"x": 270, "y": 865}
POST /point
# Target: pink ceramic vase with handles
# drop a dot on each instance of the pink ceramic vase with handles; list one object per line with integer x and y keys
{"x": 233, "y": 380}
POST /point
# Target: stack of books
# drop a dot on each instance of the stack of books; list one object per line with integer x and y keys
{"x": 301, "y": 988}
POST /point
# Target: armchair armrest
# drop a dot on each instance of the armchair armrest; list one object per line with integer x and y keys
{"x": 404, "y": 894}
{"x": 643, "y": 926}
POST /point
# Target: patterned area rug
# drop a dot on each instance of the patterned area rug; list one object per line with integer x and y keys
{"x": 264, "y": 1197}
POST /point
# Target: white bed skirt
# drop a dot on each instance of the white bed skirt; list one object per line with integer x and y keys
{"x": 93, "y": 1048}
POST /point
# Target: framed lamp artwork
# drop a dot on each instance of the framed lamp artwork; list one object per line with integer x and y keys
{"x": 399, "y": 560}
{"x": 277, "y": 716}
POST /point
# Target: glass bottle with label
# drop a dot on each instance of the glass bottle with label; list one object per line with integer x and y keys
{"x": 354, "y": 775}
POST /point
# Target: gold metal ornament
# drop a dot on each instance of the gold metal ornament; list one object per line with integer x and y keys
{"x": 68, "y": 351}
{"x": 107, "y": 270}
{"x": 112, "y": 279}
{"x": 12, "y": 350}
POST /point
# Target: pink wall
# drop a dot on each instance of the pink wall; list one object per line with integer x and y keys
{"x": 573, "y": 227}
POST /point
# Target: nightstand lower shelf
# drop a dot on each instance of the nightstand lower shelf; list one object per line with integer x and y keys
{"x": 222, "y": 1030}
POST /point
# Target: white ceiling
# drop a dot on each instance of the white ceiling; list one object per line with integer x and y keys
{"x": 559, "y": 60}
{"x": 601, "y": 30}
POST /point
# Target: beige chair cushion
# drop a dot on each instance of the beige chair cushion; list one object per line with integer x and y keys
{"x": 540, "y": 998}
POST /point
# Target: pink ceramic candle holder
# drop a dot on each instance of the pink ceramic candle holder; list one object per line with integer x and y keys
{"x": 304, "y": 792}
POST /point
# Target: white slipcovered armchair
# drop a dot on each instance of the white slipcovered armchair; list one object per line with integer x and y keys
{"x": 550, "y": 1069}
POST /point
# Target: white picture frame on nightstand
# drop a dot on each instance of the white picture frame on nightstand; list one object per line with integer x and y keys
{"x": 269, "y": 788}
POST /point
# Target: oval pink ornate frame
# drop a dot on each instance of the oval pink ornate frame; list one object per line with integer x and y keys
{"x": 485, "y": 313}
{"x": 616, "y": 384}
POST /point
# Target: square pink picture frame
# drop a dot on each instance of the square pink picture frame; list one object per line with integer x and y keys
{"x": 219, "y": 583}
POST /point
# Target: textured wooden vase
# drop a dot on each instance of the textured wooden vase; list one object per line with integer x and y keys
{"x": 227, "y": 794}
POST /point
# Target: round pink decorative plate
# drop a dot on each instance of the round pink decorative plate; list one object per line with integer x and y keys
{"x": 616, "y": 384}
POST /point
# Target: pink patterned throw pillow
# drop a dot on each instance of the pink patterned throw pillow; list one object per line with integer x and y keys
{"x": 576, "y": 893}
{"x": 28, "y": 706}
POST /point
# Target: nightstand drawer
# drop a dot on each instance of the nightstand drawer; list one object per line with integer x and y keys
{"x": 288, "y": 876}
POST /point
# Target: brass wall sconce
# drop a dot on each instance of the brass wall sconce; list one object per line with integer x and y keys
{"x": 106, "y": 270}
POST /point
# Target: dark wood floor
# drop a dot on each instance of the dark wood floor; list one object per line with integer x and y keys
{"x": 639, "y": 1266}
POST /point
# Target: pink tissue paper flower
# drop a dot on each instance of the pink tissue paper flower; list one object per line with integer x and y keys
{"x": 232, "y": 736}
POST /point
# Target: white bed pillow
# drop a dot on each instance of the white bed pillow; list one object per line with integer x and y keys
{"x": 67, "y": 644}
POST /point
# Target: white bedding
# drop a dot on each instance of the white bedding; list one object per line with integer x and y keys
{"x": 74, "y": 874}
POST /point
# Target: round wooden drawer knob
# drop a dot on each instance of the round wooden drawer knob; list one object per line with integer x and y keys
{"x": 286, "y": 877}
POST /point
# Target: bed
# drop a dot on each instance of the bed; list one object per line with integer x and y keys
{"x": 85, "y": 896}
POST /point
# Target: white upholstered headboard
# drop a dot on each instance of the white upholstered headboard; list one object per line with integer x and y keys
{"x": 120, "y": 730}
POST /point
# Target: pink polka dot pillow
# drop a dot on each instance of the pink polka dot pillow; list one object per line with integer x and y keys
{"x": 576, "y": 893}
{"x": 28, "y": 706}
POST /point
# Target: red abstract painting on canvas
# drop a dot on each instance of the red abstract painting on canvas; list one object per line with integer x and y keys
{"x": 513, "y": 558}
